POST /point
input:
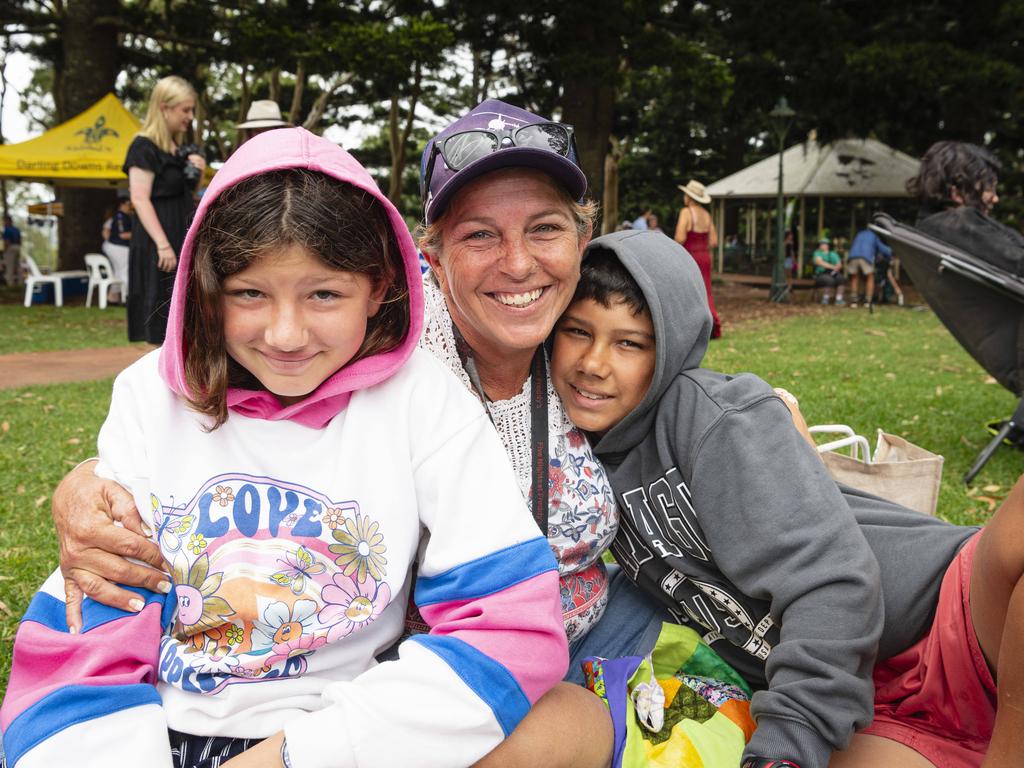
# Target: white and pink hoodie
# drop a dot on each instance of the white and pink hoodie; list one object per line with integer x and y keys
{"x": 291, "y": 532}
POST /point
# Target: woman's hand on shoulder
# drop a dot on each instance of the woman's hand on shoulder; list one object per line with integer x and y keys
{"x": 93, "y": 547}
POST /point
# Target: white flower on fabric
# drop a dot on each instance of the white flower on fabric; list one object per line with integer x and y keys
{"x": 282, "y": 624}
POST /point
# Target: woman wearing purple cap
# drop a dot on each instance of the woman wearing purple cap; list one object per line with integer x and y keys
{"x": 505, "y": 225}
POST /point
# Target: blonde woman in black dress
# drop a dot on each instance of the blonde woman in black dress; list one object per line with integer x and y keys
{"x": 161, "y": 195}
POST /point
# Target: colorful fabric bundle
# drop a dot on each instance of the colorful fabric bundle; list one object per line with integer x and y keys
{"x": 680, "y": 707}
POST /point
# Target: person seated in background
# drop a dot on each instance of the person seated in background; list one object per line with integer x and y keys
{"x": 828, "y": 271}
{"x": 956, "y": 188}
{"x": 643, "y": 220}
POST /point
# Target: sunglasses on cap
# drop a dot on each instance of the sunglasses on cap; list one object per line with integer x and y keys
{"x": 466, "y": 147}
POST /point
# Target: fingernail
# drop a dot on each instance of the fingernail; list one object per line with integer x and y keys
{"x": 147, "y": 530}
{"x": 165, "y": 587}
{"x": 72, "y": 630}
{"x": 136, "y": 605}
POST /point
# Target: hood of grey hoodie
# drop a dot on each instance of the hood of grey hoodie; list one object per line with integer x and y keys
{"x": 681, "y": 319}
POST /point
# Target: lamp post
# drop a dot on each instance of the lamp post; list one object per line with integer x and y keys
{"x": 782, "y": 117}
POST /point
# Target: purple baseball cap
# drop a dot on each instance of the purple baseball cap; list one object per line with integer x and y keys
{"x": 502, "y": 119}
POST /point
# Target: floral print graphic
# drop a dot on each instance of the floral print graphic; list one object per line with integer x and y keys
{"x": 360, "y": 549}
{"x": 235, "y": 634}
{"x": 352, "y": 605}
{"x": 199, "y": 609}
{"x": 223, "y": 495}
{"x": 334, "y": 519}
{"x": 299, "y": 646}
{"x": 257, "y": 594}
{"x": 282, "y": 624}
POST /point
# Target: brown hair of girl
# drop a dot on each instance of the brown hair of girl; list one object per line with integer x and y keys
{"x": 345, "y": 227}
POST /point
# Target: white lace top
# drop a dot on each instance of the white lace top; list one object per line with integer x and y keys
{"x": 582, "y": 516}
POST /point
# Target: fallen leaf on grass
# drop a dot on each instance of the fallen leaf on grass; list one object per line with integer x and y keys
{"x": 41, "y": 500}
{"x": 991, "y": 489}
{"x": 890, "y": 375}
{"x": 20, "y": 488}
{"x": 968, "y": 443}
{"x": 988, "y": 500}
{"x": 5, "y": 427}
{"x": 73, "y": 441}
{"x": 775, "y": 349}
{"x": 990, "y": 380}
{"x": 938, "y": 391}
{"x": 48, "y": 408}
{"x": 4, "y": 609}
{"x": 874, "y": 332}
{"x": 28, "y": 394}
{"x": 6, "y": 578}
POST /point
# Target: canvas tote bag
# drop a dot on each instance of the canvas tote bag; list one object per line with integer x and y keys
{"x": 899, "y": 471}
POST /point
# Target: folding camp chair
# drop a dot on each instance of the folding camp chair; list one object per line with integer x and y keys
{"x": 981, "y": 305}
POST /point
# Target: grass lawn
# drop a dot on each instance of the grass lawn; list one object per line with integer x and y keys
{"x": 44, "y": 327}
{"x": 897, "y": 369}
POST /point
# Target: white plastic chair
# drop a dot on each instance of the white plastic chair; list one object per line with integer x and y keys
{"x": 36, "y": 277}
{"x": 101, "y": 275}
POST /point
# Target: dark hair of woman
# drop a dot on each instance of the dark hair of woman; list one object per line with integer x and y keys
{"x": 342, "y": 225}
{"x": 953, "y": 166}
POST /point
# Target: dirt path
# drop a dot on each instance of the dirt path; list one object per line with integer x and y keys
{"x": 29, "y": 369}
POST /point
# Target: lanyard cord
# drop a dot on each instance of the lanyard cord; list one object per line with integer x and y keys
{"x": 538, "y": 423}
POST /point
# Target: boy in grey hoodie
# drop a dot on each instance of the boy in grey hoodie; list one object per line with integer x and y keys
{"x": 730, "y": 519}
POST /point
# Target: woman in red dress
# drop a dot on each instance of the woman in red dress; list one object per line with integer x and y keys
{"x": 695, "y": 231}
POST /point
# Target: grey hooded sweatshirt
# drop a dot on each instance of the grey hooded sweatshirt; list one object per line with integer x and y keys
{"x": 730, "y": 519}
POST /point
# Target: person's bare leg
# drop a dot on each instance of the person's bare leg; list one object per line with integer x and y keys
{"x": 854, "y": 285}
{"x": 997, "y": 610}
{"x": 568, "y": 727}
{"x": 872, "y": 751}
{"x": 869, "y": 294}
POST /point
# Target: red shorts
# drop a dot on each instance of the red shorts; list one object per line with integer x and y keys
{"x": 938, "y": 696}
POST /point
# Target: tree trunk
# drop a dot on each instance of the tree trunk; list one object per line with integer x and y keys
{"x": 85, "y": 72}
{"x": 588, "y": 105}
{"x": 397, "y": 140}
{"x": 312, "y": 120}
{"x": 300, "y": 86}
{"x": 275, "y": 84}
{"x": 3, "y": 95}
{"x": 610, "y": 200}
{"x": 246, "y": 98}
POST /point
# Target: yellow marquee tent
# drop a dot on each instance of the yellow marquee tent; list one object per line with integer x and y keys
{"x": 86, "y": 151}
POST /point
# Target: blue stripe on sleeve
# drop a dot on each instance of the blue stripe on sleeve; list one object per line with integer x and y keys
{"x": 68, "y": 706}
{"x": 488, "y": 574}
{"x": 487, "y": 678}
{"x": 48, "y": 610}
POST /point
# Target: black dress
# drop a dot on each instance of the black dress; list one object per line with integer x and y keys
{"x": 149, "y": 294}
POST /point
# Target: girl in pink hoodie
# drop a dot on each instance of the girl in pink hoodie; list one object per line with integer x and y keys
{"x": 294, "y": 454}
